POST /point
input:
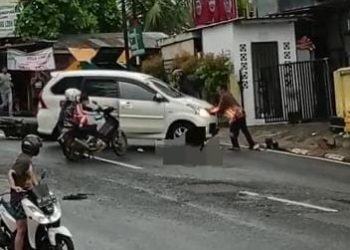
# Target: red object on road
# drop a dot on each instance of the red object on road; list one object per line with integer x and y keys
{"x": 213, "y": 11}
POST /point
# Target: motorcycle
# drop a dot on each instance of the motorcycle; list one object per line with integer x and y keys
{"x": 104, "y": 130}
{"x": 43, "y": 213}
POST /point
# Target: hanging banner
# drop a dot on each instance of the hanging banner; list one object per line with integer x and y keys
{"x": 8, "y": 17}
{"x": 41, "y": 60}
{"x": 213, "y": 11}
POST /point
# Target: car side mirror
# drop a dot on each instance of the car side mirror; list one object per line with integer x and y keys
{"x": 158, "y": 98}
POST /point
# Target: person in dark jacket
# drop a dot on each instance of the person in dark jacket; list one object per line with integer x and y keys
{"x": 184, "y": 84}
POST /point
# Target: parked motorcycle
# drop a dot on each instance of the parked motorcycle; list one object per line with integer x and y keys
{"x": 43, "y": 213}
{"x": 105, "y": 131}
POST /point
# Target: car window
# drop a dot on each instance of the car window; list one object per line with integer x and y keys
{"x": 166, "y": 89}
{"x": 101, "y": 87}
{"x": 66, "y": 83}
{"x": 134, "y": 91}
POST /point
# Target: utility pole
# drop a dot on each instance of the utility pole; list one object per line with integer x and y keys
{"x": 125, "y": 31}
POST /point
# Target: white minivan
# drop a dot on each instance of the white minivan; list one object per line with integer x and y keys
{"x": 147, "y": 108}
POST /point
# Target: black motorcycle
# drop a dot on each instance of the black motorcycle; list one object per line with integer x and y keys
{"x": 77, "y": 142}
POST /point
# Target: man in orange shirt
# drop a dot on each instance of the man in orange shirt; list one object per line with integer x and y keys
{"x": 229, "y": 107}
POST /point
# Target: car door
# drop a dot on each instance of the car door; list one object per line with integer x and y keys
{"x": 103, "y": 90}
{"x": 139, "y": 112}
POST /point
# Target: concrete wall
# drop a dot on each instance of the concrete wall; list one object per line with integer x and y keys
{"x": 235, "y": 39}
{"x": 169, "y": 52}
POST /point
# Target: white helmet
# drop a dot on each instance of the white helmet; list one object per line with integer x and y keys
{"x": 72, "y": 94}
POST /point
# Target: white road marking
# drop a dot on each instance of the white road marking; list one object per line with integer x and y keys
{"x": 290, "y": 202}
{"x": 126, "y": 165}
{"x": 302, "y": 204}
{"x": 296, "y": 155}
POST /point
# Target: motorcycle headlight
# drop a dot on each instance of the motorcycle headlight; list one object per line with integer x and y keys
{"x": 38, "y": 215}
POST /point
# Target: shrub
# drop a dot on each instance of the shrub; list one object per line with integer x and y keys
{"x": 154, "y": 66}
{"x": 187, "y": 62}
{"x": 214, "y": 71}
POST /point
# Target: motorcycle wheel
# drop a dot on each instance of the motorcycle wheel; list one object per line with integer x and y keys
{"x": 119, "y": 143}
{"x": 69, "y": 151}
{"x": 64, "y": 243}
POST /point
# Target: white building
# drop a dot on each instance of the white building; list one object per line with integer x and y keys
{"x": 252, "y": 44}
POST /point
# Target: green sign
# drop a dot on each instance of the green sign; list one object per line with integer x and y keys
{"x": 136, "y": 41}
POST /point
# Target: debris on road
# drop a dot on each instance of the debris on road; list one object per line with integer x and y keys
{"x": 75, "y": 197}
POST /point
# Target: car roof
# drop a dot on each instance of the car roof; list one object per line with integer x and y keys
{"x": 105, "y": 73}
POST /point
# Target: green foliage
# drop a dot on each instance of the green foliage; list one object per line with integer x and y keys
{"x": 154, "y": 66}
{"x": 50, "y": 18}
{"x": 166, "y": 16}
{"x": 215, "y": 71}
{"x": 187, "y": 62}
{"x": 212, "y": 70}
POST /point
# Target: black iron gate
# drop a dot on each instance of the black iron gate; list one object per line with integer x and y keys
{"x": 300, "y": 91}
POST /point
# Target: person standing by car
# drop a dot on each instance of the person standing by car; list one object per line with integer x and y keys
{"x": 229, "y": 106}
{"x": 22, "y": 179}
{"x": 183, "y": 83}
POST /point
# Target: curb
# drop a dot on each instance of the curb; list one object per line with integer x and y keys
{"x": 303, "y": 153}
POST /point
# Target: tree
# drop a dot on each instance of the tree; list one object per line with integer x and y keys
{"x": 167, "y": 16}
{"x": 51, "y": 18}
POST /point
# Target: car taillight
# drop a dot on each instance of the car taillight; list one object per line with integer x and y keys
{"x": 41, "y": 103}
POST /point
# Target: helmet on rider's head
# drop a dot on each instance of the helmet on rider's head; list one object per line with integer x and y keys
{"x": 72, "y": 94}
{"x": 31, "y": 145}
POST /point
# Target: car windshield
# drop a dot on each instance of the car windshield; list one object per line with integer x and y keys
{"x": 166, "y": 89}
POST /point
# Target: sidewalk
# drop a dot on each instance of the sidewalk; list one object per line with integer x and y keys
{"x": 313, "y": 139}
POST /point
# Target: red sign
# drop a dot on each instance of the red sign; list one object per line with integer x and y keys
{"x": 214, "y": 11}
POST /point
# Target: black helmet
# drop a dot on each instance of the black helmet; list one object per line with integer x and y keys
{"x": 31, "y": 145}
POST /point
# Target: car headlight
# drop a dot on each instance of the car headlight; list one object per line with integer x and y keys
{"x": 203, "y": 113}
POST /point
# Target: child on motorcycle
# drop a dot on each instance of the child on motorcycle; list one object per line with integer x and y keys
{"x": 22, "y": 179}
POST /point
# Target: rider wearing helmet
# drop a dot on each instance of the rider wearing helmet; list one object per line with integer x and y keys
{"x": 22, "y": 179}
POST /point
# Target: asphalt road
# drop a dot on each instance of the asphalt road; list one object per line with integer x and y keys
{"x": 176, "y": 207}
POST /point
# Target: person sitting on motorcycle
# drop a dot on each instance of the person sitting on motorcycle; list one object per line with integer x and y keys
{"x": 83, "y": 107}
{"x": 67, "y": 116}
{"x": 22, "y": 179}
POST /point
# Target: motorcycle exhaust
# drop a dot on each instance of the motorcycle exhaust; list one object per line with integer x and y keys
{"x": 81, "y": 143}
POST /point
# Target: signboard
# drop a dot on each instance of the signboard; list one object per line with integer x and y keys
{"x": 8, "y": 17}
{"x": 137, "y": 46}
{"x": 213, "y": 11}
{"x": 41, "y": 60}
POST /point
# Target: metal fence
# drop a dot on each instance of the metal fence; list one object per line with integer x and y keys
{"x": 301, "y": 91}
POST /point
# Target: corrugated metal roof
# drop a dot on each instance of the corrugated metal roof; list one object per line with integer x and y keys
{"x": 106, "y": 40}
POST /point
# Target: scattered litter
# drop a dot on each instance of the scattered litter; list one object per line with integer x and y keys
{"x": 314, "y": 134}
{"x": 300, "y": 151}
{"x": 76, "y": 197}
{"x": 140, "y": 150}
{"x": 334, "y": 157}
